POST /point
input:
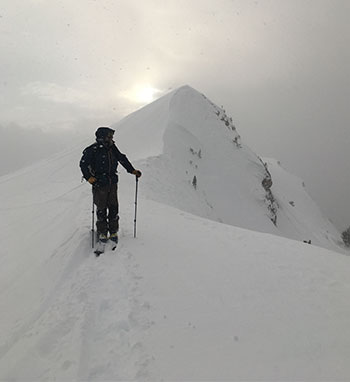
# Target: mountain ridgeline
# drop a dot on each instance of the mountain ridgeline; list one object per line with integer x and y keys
{"x": 194, "y": 159}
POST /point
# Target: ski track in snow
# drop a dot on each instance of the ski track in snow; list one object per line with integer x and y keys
{"x": 119, "y": 319}
{"x": 104, "y": 303}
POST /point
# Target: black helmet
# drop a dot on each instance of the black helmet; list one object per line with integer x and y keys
{"x": 103, "y": 132}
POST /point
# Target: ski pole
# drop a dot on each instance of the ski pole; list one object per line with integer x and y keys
{"x": 93, "y": 223}
{"x": 137, "y": 182}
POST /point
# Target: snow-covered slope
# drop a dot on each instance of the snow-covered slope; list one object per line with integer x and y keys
{"x": 194, "y": 159}
{"x": 189, "y": 299}
{"x": 299, "y": 217}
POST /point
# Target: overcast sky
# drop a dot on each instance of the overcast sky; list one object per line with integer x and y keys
{"x": 280, "y": 68}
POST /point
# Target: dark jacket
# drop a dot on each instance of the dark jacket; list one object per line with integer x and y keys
{"x": 101, "y": 162}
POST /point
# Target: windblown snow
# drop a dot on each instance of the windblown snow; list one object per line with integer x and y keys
{"x": 218, "y": 285}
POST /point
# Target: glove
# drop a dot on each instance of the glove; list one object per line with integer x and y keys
{"x": 92, "y": 180}
{"x": 137, "y": 173}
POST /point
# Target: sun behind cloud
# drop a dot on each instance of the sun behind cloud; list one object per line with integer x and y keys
{"x": 142, "y": 94}
{"x": 147, "y": 94}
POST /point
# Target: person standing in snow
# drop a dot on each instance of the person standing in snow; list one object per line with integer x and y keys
{"x": 99, "y": 167}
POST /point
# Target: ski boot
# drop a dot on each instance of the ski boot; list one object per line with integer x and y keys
{"x": 102, "y": 238}
{"x": 114, "y": 237}
{"x": 100, "y": 245}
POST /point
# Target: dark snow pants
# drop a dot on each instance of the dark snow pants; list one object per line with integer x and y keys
{"x": 106, "y": 201}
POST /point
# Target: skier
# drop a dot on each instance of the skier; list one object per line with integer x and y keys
{"x": 99, "y": 167}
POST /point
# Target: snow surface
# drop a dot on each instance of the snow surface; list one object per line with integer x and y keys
{"x": 191, "y": 298}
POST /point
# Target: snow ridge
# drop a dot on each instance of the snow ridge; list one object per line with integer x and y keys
{"x": 202, "y": 166}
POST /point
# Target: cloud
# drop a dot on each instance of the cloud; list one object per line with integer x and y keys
{"x": 56, "y": 93}
{"x": 21, "y": 146}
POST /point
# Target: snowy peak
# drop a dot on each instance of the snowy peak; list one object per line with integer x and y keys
{"x": 197, "y": 114}
{"x": 180, "y": 107}
{"x": 194, "y": 159}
